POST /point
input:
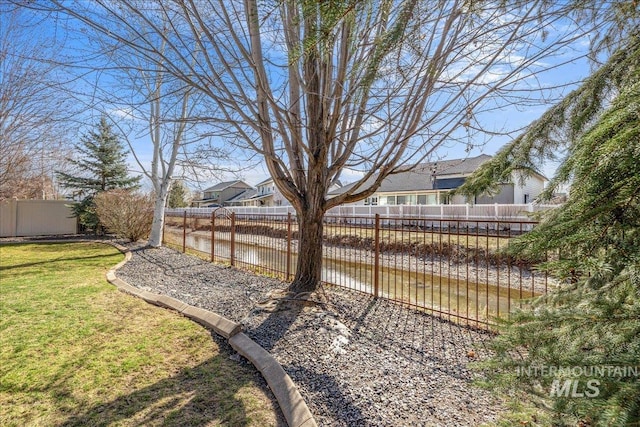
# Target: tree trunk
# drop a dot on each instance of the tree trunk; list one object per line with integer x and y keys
{"x": 309, "y": 266}
{"x": 157, "y": 226}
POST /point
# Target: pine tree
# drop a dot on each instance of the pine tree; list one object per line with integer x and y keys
{"x": 593, "y": 319}
{"x": 177, "y": 195}
{"x": 100, "y": 166}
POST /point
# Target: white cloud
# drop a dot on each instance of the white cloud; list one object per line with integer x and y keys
{"x": 124, "y": 113}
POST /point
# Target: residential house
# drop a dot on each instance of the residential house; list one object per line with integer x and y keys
{"x": 239, "y": 199}
{"x": 219, "y": 194}
{"x": 265, "y": 194}
{"x": 431, "y": 184}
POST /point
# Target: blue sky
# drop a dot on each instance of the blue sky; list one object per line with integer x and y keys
{"x": 512, "y": 117}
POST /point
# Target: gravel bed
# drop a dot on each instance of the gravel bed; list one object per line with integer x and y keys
{"x": 224, "y": 290}
{"x": 357, "y": 361}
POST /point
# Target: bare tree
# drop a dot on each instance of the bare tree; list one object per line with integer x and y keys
{"x": 165, "y": 113}
{"x": 153, "y": 104}
{"x": 320, "y": 87}
{"x": 146, "y": 102}
{"x": 32, "y": 109}
{"x": 125, "y": 213}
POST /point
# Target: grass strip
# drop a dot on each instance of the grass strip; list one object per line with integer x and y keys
{"x": 74, "y": 351}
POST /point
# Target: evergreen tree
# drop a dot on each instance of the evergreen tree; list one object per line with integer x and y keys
{"x": 593, "y": 319}
{"x": 177, "y": 195}
{"x": 100, "y": 166}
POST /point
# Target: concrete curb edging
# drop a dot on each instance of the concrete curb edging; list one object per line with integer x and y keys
{"x": 293, "y": 406}
{"x": 288, "y": 396}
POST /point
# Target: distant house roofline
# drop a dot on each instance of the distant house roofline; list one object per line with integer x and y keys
{"x": 419, "y": 177}
{"x": 224, "y": 185}
{"x": 265, "y": 181}
{"x": 261, "y": 196}
{"x": 245, "y": 195}
{"x": 534, "y": 171}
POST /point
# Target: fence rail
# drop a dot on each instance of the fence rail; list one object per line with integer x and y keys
{"x": 465, "y": 211}
{"x": 454, "y": 268}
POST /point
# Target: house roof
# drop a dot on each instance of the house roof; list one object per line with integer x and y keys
{"x": 245, "y": 195}
{"x": 419, "y": 178}
{"x": 265, "y": 181}
{"x": 224, "y": 185}
{"x": 262, "y": 196}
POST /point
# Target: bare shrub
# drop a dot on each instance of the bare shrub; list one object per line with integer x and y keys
{"x": 126, "y": 214}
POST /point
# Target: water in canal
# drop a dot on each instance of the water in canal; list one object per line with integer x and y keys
{"x": 449, "y": 296}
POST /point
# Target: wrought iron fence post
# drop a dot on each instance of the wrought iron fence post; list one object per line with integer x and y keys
{"x": 213, "y": 234}
{"x": 184, "y": 231}
{"x": 233, "y": 238}
{"x": 288, "y": 245}
{"x": 376, "y": 262}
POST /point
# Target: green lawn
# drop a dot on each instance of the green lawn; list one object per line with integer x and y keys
{"x": 75, "y": 351}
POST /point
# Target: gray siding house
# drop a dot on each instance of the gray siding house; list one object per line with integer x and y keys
{"x": 431, "y": 184}
{"x": 219, "y": 194}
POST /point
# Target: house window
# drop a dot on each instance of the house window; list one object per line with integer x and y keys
{"x": 407, "y": 199}
{"x": 371, "y": 201}
{"x": 387, "y": 200}
{"x": 422, "y": 199}
{"x": 526, "y": 199}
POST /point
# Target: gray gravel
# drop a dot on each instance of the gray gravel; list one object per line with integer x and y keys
{"x": 357, "y": 361}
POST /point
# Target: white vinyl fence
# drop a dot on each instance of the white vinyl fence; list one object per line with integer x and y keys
{"x": 466, "y": 211}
